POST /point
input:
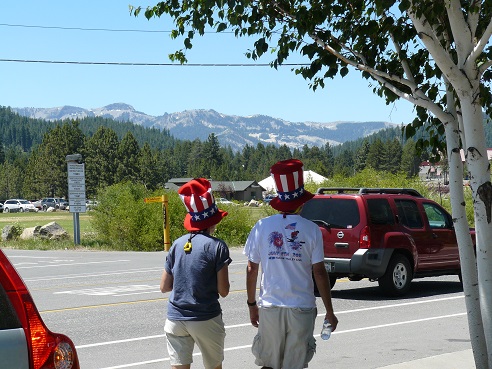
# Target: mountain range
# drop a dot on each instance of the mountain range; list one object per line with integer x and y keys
{"x": 231, "y": 130}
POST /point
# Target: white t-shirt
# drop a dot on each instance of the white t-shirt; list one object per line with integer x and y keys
{"x": 286, "y": 247}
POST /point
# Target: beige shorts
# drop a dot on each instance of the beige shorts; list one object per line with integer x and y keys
{"x": 285, "y": 338}
{"x": 209, "y": 335}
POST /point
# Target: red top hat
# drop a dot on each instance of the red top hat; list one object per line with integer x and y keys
{"x": 199, "y": 201}
{"x": 288, "y": 176}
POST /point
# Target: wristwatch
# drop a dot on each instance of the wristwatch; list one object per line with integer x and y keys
{"x": 251, "y": 303}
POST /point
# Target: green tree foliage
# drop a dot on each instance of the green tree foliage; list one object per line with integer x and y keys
{"x": 100, "y": 157}
{"x": 344, "y": 164}
{"x": 410, "y": 161}
{"x": 360, "y": 160}
{"x": 48, "y": 168}
{"x": 128, "y": 158}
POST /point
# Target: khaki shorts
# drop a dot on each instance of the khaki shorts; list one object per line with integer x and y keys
{"x": 209, "y": 335}
{"x": 285, "y": 338}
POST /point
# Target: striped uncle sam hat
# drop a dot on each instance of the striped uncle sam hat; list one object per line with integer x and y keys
{"x": 200, "y": 204}
{"x": 288, "y": 176}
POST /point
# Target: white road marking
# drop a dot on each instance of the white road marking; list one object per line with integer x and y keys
{"x": 84, "y": 263}
{"x": 91, "y": 275}
{"x": 111, "y": 291}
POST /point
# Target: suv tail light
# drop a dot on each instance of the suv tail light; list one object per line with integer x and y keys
{"x": 364, "y": 238}
{"x": 47, "y": 350}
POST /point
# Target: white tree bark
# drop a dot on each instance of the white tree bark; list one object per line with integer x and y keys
{"x": 465, "y": 79}
{"x": 465, "y": 244}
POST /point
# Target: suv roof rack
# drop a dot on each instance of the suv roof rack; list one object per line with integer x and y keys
{"x": 363, "y": 190}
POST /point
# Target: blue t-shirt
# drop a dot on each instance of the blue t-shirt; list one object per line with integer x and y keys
{"x": 195, "y": 295}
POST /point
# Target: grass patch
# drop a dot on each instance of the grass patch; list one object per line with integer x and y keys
{"x": 65, "y": 219}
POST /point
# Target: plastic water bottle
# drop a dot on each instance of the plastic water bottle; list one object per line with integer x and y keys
{"x": 326, "y": 330}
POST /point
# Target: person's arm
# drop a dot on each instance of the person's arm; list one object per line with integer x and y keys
{"x": 223, "y": 284}
{"x": 324, "y": 288}
{"x": 251, "y": 279}
{"x": 167, "y": 281}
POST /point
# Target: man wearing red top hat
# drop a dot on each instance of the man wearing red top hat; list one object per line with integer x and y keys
{"x": 196, "y": 273}
{"x": 290, "y": 251}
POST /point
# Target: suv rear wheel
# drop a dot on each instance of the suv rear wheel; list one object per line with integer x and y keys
{"x": 396, "y": 280}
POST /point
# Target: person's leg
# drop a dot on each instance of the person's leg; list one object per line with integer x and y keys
{"x": 179, "y": 344}
{"x": 209, "y": 336}
{"x": 269, "y": 343}
{"x": 299, "y": 341}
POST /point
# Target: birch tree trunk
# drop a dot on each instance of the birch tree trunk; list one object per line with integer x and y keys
{"x": 478, "y": 165}
{"x": 465, "y": 244}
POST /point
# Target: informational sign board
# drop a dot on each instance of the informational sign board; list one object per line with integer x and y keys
{"x": 76, "y": 187}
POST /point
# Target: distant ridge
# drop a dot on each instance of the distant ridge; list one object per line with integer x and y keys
{"x": 231, "y": 130}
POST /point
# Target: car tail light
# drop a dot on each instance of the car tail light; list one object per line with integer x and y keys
{"x": 47, "y": 350}
{"x": 364, "y": 238}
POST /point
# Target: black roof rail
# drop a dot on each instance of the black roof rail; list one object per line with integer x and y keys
{"x": 323, "y": 190}
{"x": 364, "y": 190}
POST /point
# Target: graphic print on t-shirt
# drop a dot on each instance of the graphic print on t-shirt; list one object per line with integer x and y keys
{"x": 295, "y": 244}
{"x": 276, "y": 241}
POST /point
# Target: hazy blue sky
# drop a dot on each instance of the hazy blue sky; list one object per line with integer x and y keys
{"x": 36, "y": 30}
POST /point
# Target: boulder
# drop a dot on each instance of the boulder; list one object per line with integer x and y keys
{"x": 53, "y": 231}
{"x": 8, "y": 233}
{"x": 30, "y": 233}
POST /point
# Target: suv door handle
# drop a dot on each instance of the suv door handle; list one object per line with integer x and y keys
{"x": 434, "y": 235}
{"x": 342, "y": 245}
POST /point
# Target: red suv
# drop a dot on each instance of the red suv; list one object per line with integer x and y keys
{"x": 25, "y": 341}
{"x": 389, "y": 235}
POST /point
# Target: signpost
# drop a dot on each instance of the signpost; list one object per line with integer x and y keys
{"x": 76, "y": 191}
{"x": 165, "y": 215}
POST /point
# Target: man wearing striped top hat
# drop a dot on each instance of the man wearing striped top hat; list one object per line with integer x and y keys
{"x": 196, "y": 273}
{"x": 290, "y": 251}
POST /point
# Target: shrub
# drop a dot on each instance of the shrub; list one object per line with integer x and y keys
{"x": 235, "y": 227}
{"x": 124, "y": 221}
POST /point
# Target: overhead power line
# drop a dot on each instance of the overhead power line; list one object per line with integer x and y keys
{"x": 81, "y": 29}
{"x": 151, "y": 64}
{"x": 92, "y": 29}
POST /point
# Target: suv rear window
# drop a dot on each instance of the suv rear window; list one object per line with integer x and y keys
{"x": 337, "y": 213}
{"x": 380, "y": 211}
{"x": 409, "y": 213}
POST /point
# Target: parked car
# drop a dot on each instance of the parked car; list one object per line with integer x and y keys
{"x": 223, "y": 200}
{"x": 91, "y": 204}
{"x": 54, "y": 202}
{"x": 18, "y": 205}
{"x": 387, "y": 235}
{"x": 1, "y": 206}
{"x": 37, "y": 204}
{"x": 28, "y": 343}
{"x": 269, "y": 198}
{"x": 48, "y": 202}
{"x": 62, "y": 203}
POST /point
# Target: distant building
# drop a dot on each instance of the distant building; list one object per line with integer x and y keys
{"x": 435, "y": 172}
{"x": 231, "y": 190}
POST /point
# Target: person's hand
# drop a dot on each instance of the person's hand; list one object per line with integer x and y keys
{"x": 254, "y": 315}
{"x": 332, "y": 319}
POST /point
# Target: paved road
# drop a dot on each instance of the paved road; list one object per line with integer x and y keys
{"x": 109, "y": 303}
